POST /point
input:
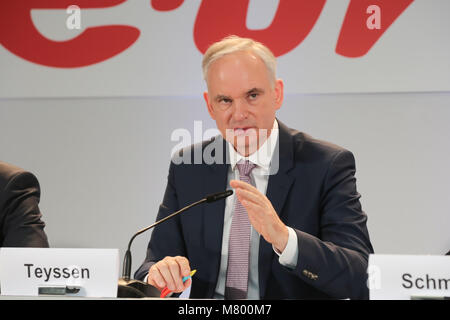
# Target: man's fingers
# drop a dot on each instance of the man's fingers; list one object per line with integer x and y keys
{"x": 254, "y": 213}
{"x": 165, "y": 271}
{"x": 169, "y": 273}
{"x": 248, "y": 196}
{"x": 187, "y": 284}
{"x": 155, "y": 278}
{"x": 242, "y": 185}
{"x": 176, "y": 271}
{"x": 184, "y": 265}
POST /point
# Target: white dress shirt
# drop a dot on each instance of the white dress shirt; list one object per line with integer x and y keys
{"x": 260, "y": 177}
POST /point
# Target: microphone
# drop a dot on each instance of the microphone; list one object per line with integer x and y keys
{"x": 136, "y": 288}
{"x": 219, "y": 195}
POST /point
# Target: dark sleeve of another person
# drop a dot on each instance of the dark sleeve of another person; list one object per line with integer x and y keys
{"x": 21, "y": 224}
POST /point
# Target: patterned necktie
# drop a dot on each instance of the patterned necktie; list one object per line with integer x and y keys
{"x": 239, "y": 244}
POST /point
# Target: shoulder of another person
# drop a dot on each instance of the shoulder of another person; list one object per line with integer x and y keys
{"x": 8, "y": 172}
{"x": 12, "y": 175}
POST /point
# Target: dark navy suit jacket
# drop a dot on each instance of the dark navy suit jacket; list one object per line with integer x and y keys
{"x": 314, "y": 192}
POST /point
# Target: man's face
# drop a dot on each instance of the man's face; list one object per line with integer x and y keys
{"x": 242, "y": 99}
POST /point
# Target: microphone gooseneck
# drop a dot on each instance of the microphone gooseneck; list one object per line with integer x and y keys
{"x": 126, "y": 271}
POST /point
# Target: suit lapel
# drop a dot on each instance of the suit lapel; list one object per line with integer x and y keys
{"x": 277, "y": 189}
{"x": 214, "y": 180}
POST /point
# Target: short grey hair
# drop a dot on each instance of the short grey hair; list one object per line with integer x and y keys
{"x": 234, "y": 43}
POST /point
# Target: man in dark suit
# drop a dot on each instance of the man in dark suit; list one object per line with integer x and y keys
{"x": 294, "y": 227}
{"x": 20, "y": 217}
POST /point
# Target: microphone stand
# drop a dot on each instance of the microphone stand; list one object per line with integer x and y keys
{"x": 132, "y": 288}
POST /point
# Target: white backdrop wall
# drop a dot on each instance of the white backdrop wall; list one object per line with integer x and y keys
{"x": 102, "y": 163}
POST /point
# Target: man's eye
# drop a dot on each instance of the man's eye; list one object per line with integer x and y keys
{"x": 225, "y": 100}
{"x": 253, "y": 96}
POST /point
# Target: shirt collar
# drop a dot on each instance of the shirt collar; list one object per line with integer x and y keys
{"x": 263, "y": 156}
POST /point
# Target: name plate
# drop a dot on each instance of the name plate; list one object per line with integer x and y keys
{"x": 74, "y": 272}
{"x": 404, "y": 277}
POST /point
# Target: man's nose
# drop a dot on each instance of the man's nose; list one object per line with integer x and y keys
{"x": 240, "y": 109}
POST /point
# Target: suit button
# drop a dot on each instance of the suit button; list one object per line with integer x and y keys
{"x": 310, "y": 275}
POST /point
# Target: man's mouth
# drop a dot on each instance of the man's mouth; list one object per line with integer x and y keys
{"x": 243, "y": 131}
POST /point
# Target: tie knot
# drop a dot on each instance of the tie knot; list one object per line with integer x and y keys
{"x": 245, "y": 167}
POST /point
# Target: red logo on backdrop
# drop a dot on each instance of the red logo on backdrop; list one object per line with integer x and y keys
{"x": 293, "y": 21}
{"x": 19, "y": 35}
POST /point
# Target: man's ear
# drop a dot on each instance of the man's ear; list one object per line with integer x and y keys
{"x": 279, "y": 93}
{"x": 208, "y": 105}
